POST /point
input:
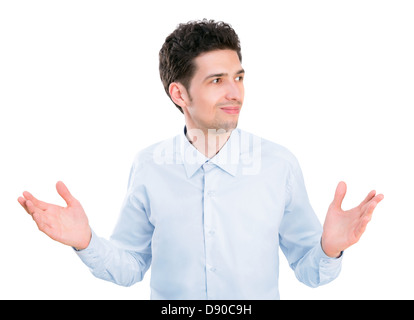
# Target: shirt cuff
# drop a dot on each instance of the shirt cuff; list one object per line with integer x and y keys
{"x": 89, "y": 254}
{"x": 329, "y": 268}
{"x": 326, "y": 256}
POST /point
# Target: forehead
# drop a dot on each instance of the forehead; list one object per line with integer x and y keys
{"x": 218, "y": 61}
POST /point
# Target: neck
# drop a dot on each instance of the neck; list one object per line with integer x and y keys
{"x": 208, "y": 142}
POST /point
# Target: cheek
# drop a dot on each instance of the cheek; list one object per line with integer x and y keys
{"x": 241, "y": 88}
{"x": 205, "y": 103}
{"x": 207, "y": 110}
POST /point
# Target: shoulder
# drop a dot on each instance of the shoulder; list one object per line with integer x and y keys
{"x": 158, "y": 153}
{"x": 270, "y": 152}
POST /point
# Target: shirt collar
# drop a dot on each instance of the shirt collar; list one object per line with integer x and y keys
{"x": 226, "y": 159}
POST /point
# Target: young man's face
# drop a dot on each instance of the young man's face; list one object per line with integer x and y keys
{"x": 216, "y": 92}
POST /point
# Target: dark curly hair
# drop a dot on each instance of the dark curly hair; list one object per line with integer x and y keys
{"x": 186, "y": 43}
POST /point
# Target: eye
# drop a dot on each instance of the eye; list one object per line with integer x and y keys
{"x": 239, "y": 78}
{"x": 217, "y": 80}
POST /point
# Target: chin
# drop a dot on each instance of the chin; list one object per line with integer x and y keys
{"x": 227, "y": 126}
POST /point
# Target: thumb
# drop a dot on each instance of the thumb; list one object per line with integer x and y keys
{"x": 339, "y": 195}
{"x": 64, "y": 193}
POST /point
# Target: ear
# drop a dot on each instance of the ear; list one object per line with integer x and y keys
{"x": 178, "y": 94}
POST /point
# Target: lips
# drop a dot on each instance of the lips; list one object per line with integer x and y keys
{"x": 231, "y": 110}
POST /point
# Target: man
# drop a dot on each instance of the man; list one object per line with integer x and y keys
{"x": 209, "y": 208}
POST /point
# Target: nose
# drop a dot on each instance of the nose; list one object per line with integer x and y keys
{"x": 235, "y": 91}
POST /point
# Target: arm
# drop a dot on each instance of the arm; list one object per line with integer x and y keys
{"x": 315, "y": 253}
{"x": 300, "y": 236}
{"x": 108, "y": 261}
{"x": 122, "y": 261}
{"x": 127, "y": 256}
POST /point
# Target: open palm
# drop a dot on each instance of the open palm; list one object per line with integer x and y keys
{"x": 68, "y": 225}
{"x": 342, "y": 228}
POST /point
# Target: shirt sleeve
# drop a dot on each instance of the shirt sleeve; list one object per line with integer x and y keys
{"x": 300, "y": 236}
{"x": 126, "y": 257}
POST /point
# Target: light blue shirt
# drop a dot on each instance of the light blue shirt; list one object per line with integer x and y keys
{"x": 212, "y": 228}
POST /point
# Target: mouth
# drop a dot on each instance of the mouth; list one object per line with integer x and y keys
{"x": 231, "y": 110}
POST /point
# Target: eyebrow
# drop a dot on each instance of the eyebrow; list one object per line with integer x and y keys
{"x": 219, "y": 75}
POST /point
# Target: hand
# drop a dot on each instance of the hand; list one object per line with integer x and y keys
{"x": 342, "y": 229}
{"x": 68, "y": 225}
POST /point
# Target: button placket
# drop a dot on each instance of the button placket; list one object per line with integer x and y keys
{"x": 209, "y": 227}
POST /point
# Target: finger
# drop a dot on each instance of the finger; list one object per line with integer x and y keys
{"x": 375, "y": 200}
{"x": 371, "y": 205}
{"x": 365, "y": 219}
{"x": 379, "y": 197}
{"x": 65, "y": 194}
{"x": 32, "y": 209}
{"x": 22, "y": 202}
{"x": 362, "y": 227}
{"x": 339, "y": 195}
{"x": 41, "y": 220}
{"x": 368, "y": 198}
{"x": 40, "y": 204}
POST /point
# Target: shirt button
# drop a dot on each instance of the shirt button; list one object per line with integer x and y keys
{"x": 212, "y": 269}
{"x": 211, "y": 193}
{"x": 211, "y": 232}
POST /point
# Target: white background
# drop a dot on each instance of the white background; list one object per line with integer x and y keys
{"x": 80, "y": 95}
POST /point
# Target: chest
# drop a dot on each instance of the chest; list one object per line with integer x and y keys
{"x": 215, "y": 200}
